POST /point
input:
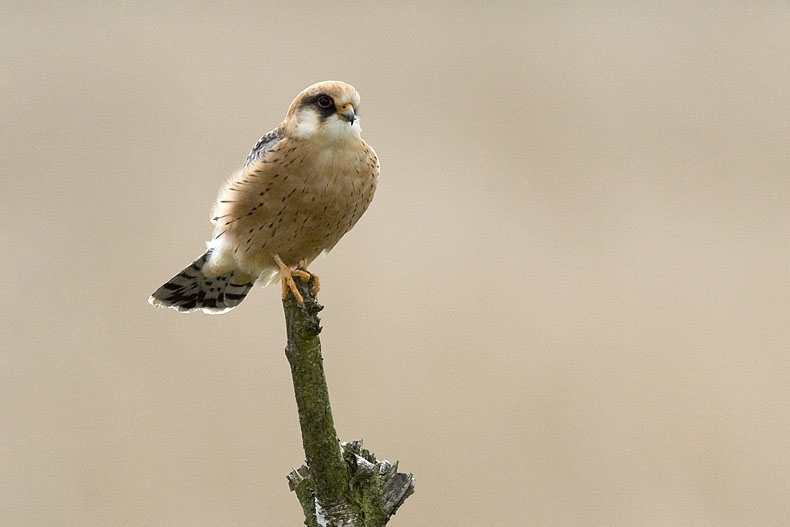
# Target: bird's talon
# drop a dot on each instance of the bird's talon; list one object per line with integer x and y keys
{"x": 288, "y": 282}
{"x": 316, "y": 282}
{"x": 290, "y": 285}
{"x": 316, "y": 285}
{"x": 303, "y": 275}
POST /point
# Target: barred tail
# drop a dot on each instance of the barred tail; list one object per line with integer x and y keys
{"x": 191, "y": 290}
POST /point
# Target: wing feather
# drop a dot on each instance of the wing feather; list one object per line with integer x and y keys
{"x": 265, "y": 144}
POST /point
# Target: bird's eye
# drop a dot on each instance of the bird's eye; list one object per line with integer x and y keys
{"x": 324, "y": 101}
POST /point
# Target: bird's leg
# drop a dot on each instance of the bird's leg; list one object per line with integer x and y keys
{"x": 316, "y": 282}
{"x": 287, "y": 275}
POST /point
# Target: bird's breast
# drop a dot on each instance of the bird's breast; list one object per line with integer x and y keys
{"x": 297, "y": 201}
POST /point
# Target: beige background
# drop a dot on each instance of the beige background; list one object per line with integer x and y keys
{"x": 567, "y": 305}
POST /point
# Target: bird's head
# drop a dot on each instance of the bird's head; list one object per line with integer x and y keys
{"x": 325, "y": 111}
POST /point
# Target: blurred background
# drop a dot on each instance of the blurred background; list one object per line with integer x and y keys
{"x": 567, "y": 305}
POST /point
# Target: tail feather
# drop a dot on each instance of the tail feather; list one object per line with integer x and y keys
{"x": 191, "y": 290}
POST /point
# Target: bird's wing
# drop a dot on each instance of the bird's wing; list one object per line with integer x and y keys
{"x": 265, "y": 144}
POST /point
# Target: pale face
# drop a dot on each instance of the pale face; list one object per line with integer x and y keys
{"x": 310, "y": 124}
{"x": 325, "y": 112}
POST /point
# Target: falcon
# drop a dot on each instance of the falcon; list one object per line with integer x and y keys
{"x": 303, "y": 186}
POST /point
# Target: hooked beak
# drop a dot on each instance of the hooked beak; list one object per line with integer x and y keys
{"x": 348, "y": 114}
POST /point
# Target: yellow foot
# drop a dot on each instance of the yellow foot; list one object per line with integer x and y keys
{"x": 316, "y": 281}
{"x": 287, "y": 275}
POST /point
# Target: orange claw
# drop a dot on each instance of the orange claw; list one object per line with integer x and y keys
{"x": 316, "y": 282}
{"x": 287, "y": 275}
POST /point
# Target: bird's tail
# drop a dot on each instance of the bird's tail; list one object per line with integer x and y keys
{"x": 191, "y": 289}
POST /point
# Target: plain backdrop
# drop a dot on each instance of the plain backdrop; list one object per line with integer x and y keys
{"x": 567, "y": 304}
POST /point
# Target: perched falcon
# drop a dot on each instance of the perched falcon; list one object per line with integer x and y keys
{"x": 303, "y": 186}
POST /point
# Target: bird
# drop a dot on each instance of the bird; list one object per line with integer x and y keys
{"x": 303, "y": 186}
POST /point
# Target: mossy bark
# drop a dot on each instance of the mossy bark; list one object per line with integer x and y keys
{"x": 341, "y": 484}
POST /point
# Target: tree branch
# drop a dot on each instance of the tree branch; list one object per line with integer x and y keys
{"x": 341, "y": 484}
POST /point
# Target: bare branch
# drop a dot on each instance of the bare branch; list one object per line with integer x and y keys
{"x": 341, "y": 484}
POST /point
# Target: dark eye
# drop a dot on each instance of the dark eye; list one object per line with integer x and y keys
{"x": 324, "y": 101}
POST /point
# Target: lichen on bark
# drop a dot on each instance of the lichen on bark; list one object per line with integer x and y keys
{"x": 341, "y": 484}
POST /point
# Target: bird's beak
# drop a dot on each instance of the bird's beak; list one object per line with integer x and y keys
{"x": 347, "y": 113}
